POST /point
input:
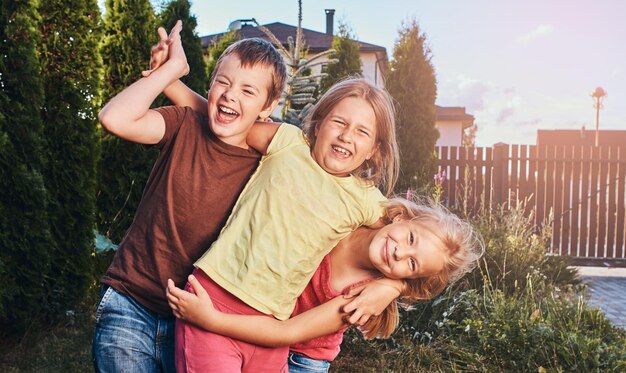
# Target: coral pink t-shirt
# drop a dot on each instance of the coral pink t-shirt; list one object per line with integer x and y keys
{"x": 318, "y": 291}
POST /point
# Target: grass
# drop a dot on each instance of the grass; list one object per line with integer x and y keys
{"x": 64, "y": 347}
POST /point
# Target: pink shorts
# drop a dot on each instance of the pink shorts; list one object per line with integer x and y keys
{"x": 200, "y": 351}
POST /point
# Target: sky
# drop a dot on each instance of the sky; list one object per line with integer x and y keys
{"x": 516, "y": 66}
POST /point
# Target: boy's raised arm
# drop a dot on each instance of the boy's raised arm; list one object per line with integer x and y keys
{"x": 128, "y": 114}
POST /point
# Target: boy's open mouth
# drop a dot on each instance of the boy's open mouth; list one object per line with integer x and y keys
{"x": 226, "y": 114}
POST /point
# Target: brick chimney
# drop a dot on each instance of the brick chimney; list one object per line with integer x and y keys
{"x": 330, "y": 14}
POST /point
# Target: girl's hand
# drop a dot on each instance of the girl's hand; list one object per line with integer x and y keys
{"x": 158, "y": 52}
{"x": 370, "y": 300}
{"x": 195, "y": 307}
{"x": 168, "y": 48}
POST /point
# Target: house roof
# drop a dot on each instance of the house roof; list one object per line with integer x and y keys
{"x": 316, "y": 41}
{"x": 456, "y": 114}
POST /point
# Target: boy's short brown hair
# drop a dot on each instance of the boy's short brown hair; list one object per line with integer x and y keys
{"x": 255, "y": 51}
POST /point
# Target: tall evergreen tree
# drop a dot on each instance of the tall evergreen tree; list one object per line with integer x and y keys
{"x": 124, "y": 167}
{"x": 70, "y": 32}
{"x": 348, "y": 56}
{"x": 197, "y": 78}
{"x": 24, "y": 230}
{"x": 412, "y": 83}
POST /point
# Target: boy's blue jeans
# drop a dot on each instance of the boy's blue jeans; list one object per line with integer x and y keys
{"x": 130, "y": 338}
{"x": 303, "y": 364}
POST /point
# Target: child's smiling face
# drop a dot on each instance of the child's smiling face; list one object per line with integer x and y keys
{"x": 346, "y": 138}
{"x": 407, "y": 249}
{"x": 238, "y": 96}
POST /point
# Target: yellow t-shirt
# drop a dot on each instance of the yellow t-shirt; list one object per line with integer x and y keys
{"x": 288, "y": 217}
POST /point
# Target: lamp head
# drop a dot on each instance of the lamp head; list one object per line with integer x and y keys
{"x": 599, "y": 93}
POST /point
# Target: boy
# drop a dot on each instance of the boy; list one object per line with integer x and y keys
{"x": 203, "y": 165}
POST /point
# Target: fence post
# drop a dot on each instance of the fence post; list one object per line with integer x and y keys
{"x": 500, "y": 173}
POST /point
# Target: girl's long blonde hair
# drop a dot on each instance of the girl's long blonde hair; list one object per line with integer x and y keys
{"x": 383, "y": 168}
{"x": 459, "y": 241}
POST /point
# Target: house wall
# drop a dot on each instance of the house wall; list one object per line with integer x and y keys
{"x": 450, "y": 133}
{"x": 371, "y": 69}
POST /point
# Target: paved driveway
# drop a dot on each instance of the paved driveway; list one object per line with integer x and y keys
{"x": 607, "y": 291}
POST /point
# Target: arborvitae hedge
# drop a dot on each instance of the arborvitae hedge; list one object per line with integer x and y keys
{"x": 71, "y": 63}
{"x": 412, "y": 83}
{"x": 124, "y": 167}
{"x": 197, "y": 78}
{"x": 24, "y": 231}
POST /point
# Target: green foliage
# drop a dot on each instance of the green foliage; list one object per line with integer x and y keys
{"x": 411, "y": 82}
{"x": 216, "y": 48}
{"x": 129, "y": 32}
{"x": 22, "y": 91}
{"x": 197, "y": 78}
{"x": 514, "y": 247}
{"x": 71, "y": 77}
{"x": 539, "y": 327}
{"x": 24, "y": 229}
{"x": 59, "y": 348}
{"x": 124, "y": 167}
{"x": 348, "y": 56}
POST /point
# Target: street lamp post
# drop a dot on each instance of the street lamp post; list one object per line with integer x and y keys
{"x": 598, "y": 96}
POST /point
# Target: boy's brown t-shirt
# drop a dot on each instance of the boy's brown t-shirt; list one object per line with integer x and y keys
{"x": 191, "y": 190}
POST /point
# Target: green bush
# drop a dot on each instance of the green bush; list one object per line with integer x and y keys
{"x": 514, "y": 247}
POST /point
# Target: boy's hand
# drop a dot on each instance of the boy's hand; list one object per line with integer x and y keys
{"x": 195, "y": 307}
{"x": 169, "y": 49}
{"x": 371, "y": 300}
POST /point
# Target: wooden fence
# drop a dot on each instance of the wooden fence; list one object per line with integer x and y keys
{"x": 581, "y": 187}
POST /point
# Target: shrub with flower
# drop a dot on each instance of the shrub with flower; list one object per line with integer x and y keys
{"x": 440, "y": 178}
